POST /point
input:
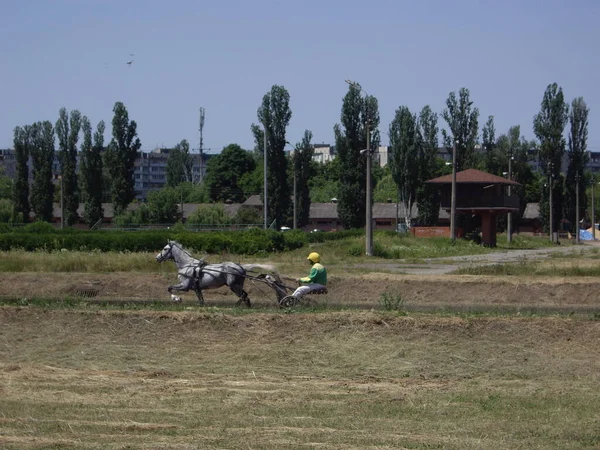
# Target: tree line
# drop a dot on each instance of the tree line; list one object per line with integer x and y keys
{"x": 235, "y": 173}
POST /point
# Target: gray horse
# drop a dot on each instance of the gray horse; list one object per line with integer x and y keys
{"x": 196, "y": 275}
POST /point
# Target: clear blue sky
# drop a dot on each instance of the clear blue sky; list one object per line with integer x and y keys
{"x": 225, "y": 55}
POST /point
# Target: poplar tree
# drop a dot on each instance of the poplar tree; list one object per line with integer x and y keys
{"x": 42, "y": 157}
{"x": 120, "y": 158}
{"x": 302, "y": 171}
{"x": 67, "y": 131}
{"x": 350, "y": 139}
{"x": 275, "y": 114}
{"x": 548, "y": 126}
{"x": 22, "y": 144}
{"x": 405, "y": 158}
{"x": 91, "y": 171}
{"x": 427, "y": 195}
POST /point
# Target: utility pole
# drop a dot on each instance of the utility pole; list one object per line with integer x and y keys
{"x": 62, "y": 202}
{"x": 577, "y": 239}
{"x": 509, "y": 219}
{"x": 453, "y": 197}
{"x": 369, "y": 218}
{"x": 593, "y": 212}
{"x": 201, "y": 148}
{"x": 265, "y": 181}
{"x": 550, "y": 203}
{"x": 295, "y": 200}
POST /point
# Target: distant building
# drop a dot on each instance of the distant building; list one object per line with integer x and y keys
{"x": 150, "y": 168}
{"x": 323, "y": 153}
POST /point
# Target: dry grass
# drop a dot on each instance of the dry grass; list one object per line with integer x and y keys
{"x": 188, "y": 380}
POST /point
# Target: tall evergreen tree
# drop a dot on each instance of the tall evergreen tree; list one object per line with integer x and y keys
{"x": 578, "y": 158}
{"x": 350, "y": 139}
{"x": 91, "y": 171}
{"x": 548, "y": 126}
{"x": 302, "y": 172}
{"x": 67, "y": 130}
{"x": 463, "y": 122}
{"x": 42, "y": 156}
{"x": 179, "y": 164}
{"x": 275, "y": 115}
{"x": 120, "y": 158}
{"x": 405, "y": 158}
{"x": 427, "y": 195}
{"x": 22, "y": 145}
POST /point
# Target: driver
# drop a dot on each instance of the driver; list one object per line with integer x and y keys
{"x": 316, "y": 279}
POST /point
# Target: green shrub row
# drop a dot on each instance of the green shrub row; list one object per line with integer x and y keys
{"x": 237, "y": 242}
{"x": 43, "y": 236}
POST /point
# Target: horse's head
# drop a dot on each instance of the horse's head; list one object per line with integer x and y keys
{"x": 166, "y": 254}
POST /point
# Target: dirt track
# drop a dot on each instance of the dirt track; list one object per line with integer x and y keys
{"x": 422, "y": 286}
{"x": 418, "y": 292}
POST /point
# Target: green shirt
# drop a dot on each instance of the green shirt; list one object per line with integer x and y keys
{"x": 318, "y": 275}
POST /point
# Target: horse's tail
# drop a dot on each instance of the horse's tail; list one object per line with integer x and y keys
{"x": 258, "y": 267}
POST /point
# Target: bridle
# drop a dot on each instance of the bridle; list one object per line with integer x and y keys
{"x": 169, "y": 254}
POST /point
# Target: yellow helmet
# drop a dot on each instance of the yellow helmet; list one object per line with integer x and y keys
{"x": 314, "y": 257}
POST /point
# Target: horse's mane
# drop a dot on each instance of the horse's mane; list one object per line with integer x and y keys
{"x": 183, "y": 249}
{"x": 247, "y": 267}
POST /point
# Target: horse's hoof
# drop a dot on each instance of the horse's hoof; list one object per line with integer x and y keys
{"x": 175, "y": 298}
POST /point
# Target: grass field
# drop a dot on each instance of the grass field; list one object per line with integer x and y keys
{"x": 118, "y": 380}
{"x": 463, "y": 376}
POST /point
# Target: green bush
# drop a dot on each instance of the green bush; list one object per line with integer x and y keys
{"x": 42, "y": 236}
{"x": 39, "y": 227}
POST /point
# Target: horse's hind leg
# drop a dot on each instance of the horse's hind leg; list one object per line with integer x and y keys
{"x": 238, "y": 290}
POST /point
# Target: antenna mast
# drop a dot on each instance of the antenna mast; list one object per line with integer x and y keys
{"x": 201, "y": 148}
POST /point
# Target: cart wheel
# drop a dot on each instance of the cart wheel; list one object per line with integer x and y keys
{"x": 288, "y": 301}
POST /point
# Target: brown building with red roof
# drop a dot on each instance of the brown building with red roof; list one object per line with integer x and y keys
{"x": 479, "y": 193}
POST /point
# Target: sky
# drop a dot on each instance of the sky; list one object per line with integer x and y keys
{"x": 226, "y": 55}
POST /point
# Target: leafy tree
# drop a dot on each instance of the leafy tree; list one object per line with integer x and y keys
{"x": 91, "y": 168}
{"x": 252, "y": 182}
{"x": 6, "y": 185}
{"x": 548, "y": 126}
{"x": 491, "y": 163}
{"x": 427, "y": 195}
{"x": 67, "y": 130}
{"x": 120, "y": 158}
{"x": 405, "y": 157}
{"x": 133, "y": 216}
{"x": 303, "y": 171}
{"x": 209, "y": 215}
{"x": 193, "y": 193}
{"x": 386, "y": 189}
{"x": 163, "y": 205}
{"x": 275, "y": 115}
{"x": 513, "y": 145}
{"x": 462, "y": 120}
{"x": 247, "y": 216}
{"x": 42, "y": 156}
{"x": 6, "y": 210}
{"x": 179, "y": 164}
{"x": 22, "y": 145}
{"x": 225, "y": 171}
{"x": 324, "y": 184}
{"x": 578, "y": 157}
{"x": 259, "y": 141}
{"x": 350, "y": 139}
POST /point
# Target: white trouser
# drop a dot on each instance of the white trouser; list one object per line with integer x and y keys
{"x": 307, "y": 289}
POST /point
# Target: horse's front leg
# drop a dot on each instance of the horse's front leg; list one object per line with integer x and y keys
{"x": 185, "y": 284}
{"x": 200, "y": 296}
